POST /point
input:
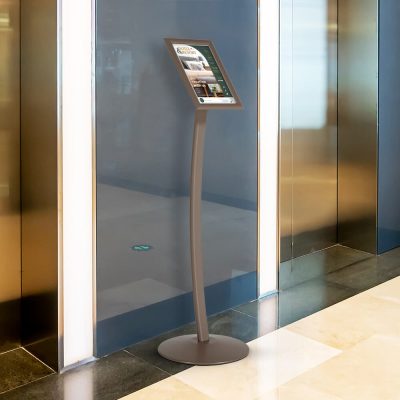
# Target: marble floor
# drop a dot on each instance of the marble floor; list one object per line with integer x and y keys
{"x": 349, "y": 351}
{"x": 295, "y": 347}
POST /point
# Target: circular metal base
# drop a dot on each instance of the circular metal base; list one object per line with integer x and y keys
{"x": 218, "y": 350}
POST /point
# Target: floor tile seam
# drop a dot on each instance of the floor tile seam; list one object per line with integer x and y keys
{"x": 244, "y": 313}
{"x": 29, "y": 383}
{"x": 381, "y": 284}
{"x": 342, "y": 348}
{"x": 149, "y": 363}
{"x": 9, "y": 351}
{"x": 355, "y": 250}
{"x": 337, "y": 285}
{"x": 343, "y": 353}
{"x": 316, "y": 341}
{"x": 356, "y": 296}
{"x": 326, "y": 274}
{"x": 240, "y": 312}
{"x": 43, "y": 363}
{"x": 293, "y": 329}
{"x": 323, "y": 278}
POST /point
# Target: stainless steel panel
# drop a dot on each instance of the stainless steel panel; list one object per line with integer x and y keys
{"x": 39, "y": 177}
{"x": 308, "y": 126}
{"x": 358, "y": 95}
{"x": 10, "y": 235}
{"x": 314, "y": 125}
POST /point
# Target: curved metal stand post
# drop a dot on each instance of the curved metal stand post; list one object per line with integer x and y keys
{"x": 200, "y": 349}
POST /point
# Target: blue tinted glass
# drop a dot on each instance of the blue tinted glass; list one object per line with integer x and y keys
{"x": 144, "y": 138}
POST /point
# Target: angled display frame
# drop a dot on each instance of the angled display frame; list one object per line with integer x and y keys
{"x": 170, "y": 42}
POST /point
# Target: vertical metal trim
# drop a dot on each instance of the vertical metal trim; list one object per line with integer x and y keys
{"x": 94, "y": 177}
{"x": 258, "y": 267}
{"x": 60, "y": 191}
{"x": 292, "y": 134}
{"x": 278, "y": 233}
{"x": 377, "y": 124}
{"x": 259, "y": 294}
{"x": 337, "y": 118}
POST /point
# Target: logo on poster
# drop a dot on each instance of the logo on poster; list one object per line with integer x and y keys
{"x": 186, "y": 50}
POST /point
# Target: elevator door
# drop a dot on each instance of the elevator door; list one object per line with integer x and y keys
{"x": 308, "y": 152}
{"x": 10, "y": 235}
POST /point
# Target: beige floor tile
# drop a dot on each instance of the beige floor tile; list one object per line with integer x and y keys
{"x": 168, "y": 389}
{"x": 368, "y": 371}
{"x": 274, "y": 359}
{"x": 352, "y": 321}
{"x": 297, "y": 392}
{"x": 389, "y": 291}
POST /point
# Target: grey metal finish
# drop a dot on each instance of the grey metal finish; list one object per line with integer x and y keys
{"x": 200, "y": 349}
{"x": 195, "y": 225}
{"x": 308, "y": 170}
{"x": 218, "y": 350}
{"x": 39, "y": 178}
{"x": 10, "y": 235}
{"x": 358, "y": 91}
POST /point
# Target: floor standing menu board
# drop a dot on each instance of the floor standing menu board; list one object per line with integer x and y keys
{"x": 209, "y": 86}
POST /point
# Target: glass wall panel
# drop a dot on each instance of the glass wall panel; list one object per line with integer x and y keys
{"x": 144, "y": 138}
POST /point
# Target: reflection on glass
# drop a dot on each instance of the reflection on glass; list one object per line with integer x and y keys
{"x": 144, "y": 134}
{"x": 311, "y": 57}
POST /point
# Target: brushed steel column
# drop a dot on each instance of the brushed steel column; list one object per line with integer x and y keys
{"x": 39, "y": 130}
{"x": 358, "y": 123}
{"x": 10, "y": 218}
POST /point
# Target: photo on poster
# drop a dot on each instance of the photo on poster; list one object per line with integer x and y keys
{"x": 204, "y": 74}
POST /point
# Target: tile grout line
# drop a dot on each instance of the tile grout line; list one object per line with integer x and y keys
{"x": 9, "y": 351}
{"x": 147, "y": 362}
{"x": 28, "y": 383}
{"x": 32, "y": 355}
{"x": 244, "y": 313}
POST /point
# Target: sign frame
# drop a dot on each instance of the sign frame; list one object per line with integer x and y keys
{"x": 199, "y": 106}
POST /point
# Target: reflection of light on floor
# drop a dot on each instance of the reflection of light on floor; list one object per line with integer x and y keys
{"x": 79, "y": 386}
{"x": 347, "y": 351}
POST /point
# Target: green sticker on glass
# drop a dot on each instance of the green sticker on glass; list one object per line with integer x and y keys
{"x": 142, "y": 247}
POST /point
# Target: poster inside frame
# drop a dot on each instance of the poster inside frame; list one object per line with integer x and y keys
{"x": 203, "y": 74}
